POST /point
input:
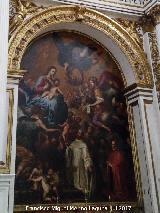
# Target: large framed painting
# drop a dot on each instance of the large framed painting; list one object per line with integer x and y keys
{"x": 73, "y": 140}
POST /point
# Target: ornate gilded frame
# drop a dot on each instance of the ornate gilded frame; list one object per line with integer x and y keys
{"x": 46, "y": 17}
{"x": 42, "y": 19}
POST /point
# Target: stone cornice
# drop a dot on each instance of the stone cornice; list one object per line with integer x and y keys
{"x": 138, "y": 8}
{"x": 113, "y": 7}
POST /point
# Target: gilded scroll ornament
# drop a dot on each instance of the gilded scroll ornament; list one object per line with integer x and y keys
{"x": 40, "y": 20}
{"x": 134, "y": 30}
{"x": 155, "y": 59}
{"x": 80, "y": 13}
{"x": 12, "y": 9}
{"x": 147, "y": 23}
{"x": 21, "y": 9}
{"x": 155, "y": 13}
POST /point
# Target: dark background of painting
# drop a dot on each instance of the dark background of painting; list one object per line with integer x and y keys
{"x": 43, "y": 53}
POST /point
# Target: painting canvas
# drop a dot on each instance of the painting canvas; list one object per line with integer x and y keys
{"x": 73, "y": 140}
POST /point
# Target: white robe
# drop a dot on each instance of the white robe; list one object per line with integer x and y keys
{"x": 78, "y": 162}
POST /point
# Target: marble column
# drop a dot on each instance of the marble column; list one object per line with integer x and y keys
{"x": 154, "y": 114}
{"x": 5, "y": 177}
{"x": 7, "y": 173}
{"x": 4, "y": 24}
{"x": 141, "y": 105}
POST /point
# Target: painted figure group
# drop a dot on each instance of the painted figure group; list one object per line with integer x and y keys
{"x": 73, "y": 144}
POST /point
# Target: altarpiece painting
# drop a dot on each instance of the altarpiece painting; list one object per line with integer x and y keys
{"x": 73, "y": 138}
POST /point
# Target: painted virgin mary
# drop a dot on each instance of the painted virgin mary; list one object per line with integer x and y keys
{"x": 52, "y": 103}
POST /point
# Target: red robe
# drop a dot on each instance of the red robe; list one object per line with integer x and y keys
{"x": 119, "y": 174}
{"x": 40, "y": 85}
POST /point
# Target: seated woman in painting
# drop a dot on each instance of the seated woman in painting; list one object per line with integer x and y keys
{"x": 28, "y": 89}
{"x": 49, "y": 101}
{"x": 45, "y": 82}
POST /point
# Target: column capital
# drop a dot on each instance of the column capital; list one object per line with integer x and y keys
{"x": 133, "y": 93}
{"x": 16, "y": 74}
{"x": 155, "y": 14}
{"x": 147, "y": 23}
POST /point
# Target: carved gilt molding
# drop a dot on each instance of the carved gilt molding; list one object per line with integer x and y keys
{"x": 155, "y": 59}
{"x": 19, "y": 11}
{"x": 155, "y": 13}
{"x": 133, "y": 28}
{"x": 37, "y": 22}
{"x": 147, "y": 23}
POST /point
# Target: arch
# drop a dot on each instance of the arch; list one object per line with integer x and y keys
{"x": 54, "y": 18}
{"x": 38, "y": 22}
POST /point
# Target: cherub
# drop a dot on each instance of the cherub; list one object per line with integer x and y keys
{"x": 54, "y": 91}
{"x": 49, "y": 184}
{"x": 26, "y": 158}
{"x": 66, "y": 126}
{"x": 36, "y": 177}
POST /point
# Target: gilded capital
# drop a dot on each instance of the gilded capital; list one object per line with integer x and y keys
{"x": 155, "y": 13}
{"x": 133, "y": 28}
{"x": 147, "y": 23}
